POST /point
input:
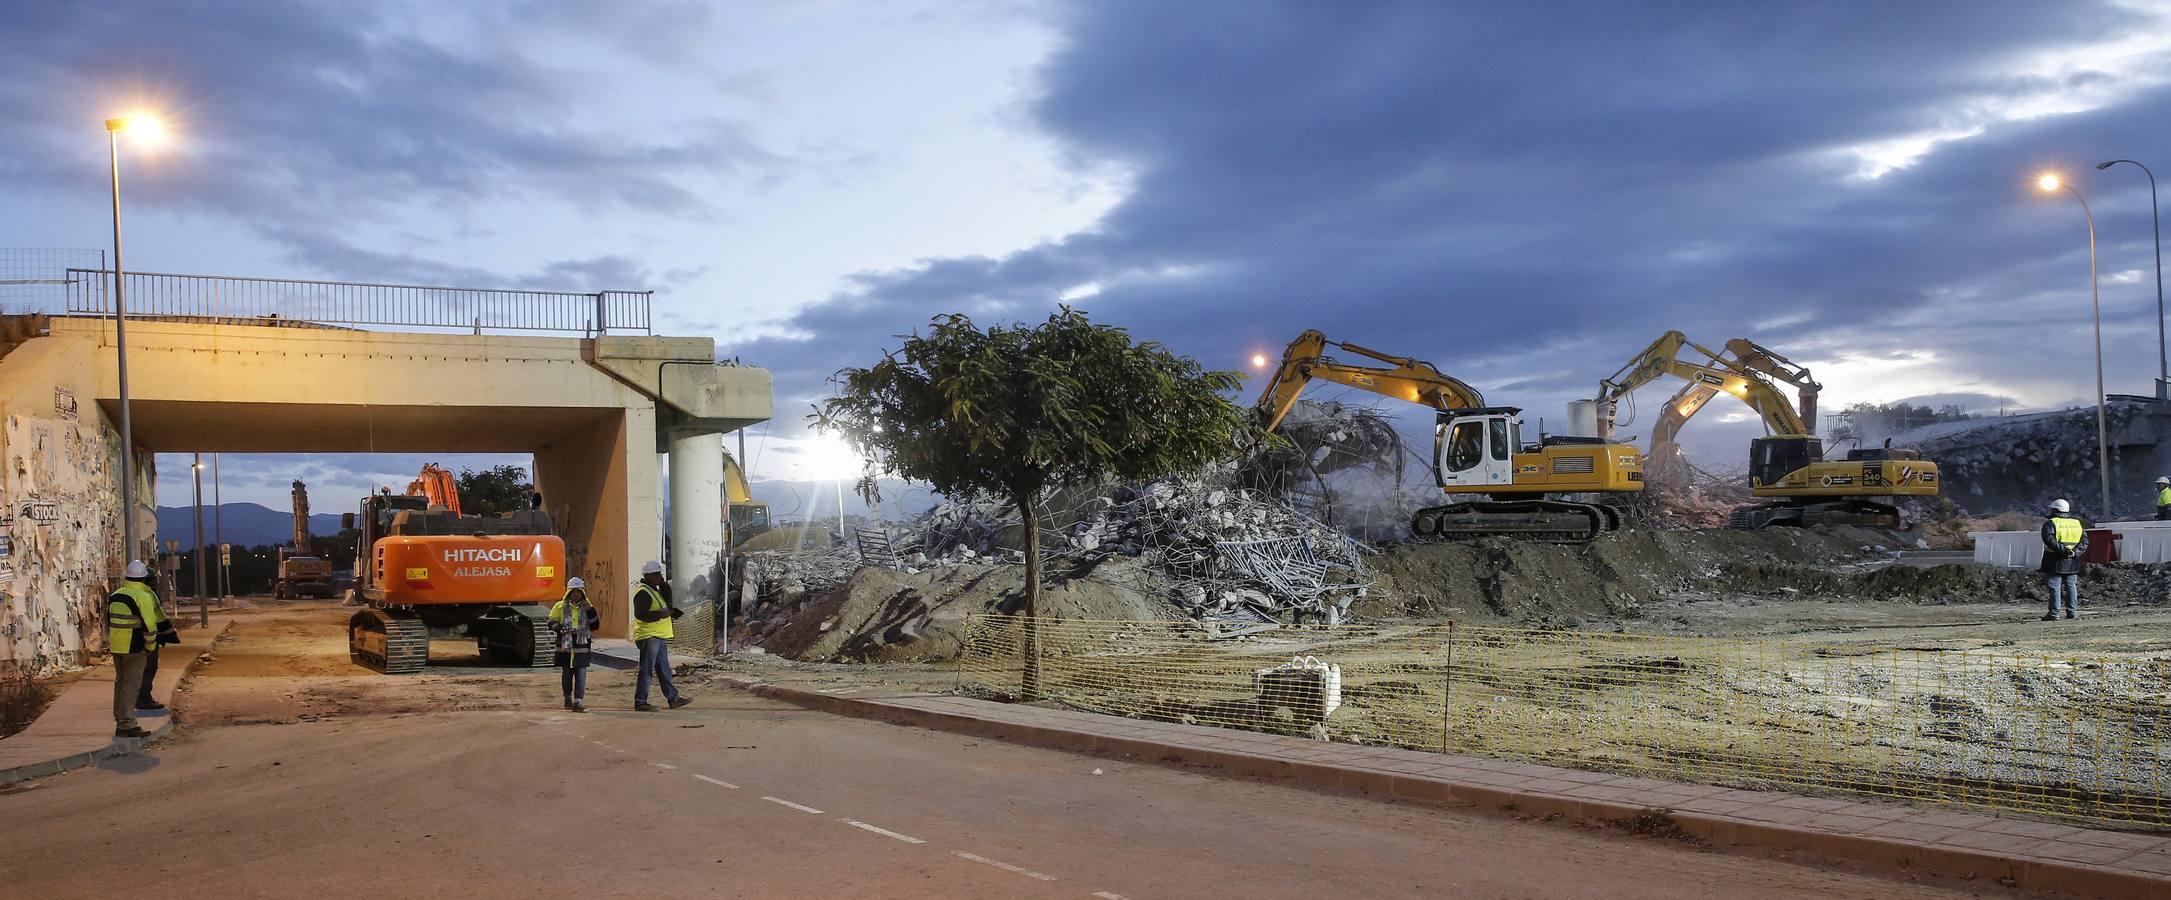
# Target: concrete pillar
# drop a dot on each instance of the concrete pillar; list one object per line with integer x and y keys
{"x": 599, "y": 486}
{"x": 697, "y": 522}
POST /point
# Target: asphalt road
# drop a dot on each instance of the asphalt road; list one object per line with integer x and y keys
{"x": 499, "y": 794}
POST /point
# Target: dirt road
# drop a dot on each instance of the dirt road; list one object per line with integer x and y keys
{"x": 297, "y": 775}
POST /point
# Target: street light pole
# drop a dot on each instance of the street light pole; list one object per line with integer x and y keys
{"x": 218, "y": 530}
{"x": 2163, "y": 358}
{"x": 120, "y": 347}
{"x": 2095, "y": 301}
{"x": 203, "y": 603}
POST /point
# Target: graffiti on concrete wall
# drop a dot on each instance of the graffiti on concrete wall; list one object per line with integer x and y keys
{"x": 64, "y": 404}
{"x": 62, "y": 506}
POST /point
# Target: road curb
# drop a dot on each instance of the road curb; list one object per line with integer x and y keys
{"x": 1891, "y": 854}
{"x": 118, "y": 746}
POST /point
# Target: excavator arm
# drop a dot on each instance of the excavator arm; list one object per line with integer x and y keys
{"x": 1404, "y": 378}
{"x": 438, "y": 485}
{"x": 1706, "y": 379}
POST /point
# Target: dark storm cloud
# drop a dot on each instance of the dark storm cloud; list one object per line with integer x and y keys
{"x": 1528, "y": 194}
{"x": 305, "y": 117}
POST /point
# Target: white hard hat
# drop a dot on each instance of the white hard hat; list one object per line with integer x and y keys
{"x": 2059, "y": 505}
{"x": 652, "y": 567}
{"x": 2163, "y": 479}
{"x": 136, "y": 569}
{"x": 575, "y": 584}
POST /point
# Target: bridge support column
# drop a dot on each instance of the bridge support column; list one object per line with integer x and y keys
{"x": 697, "y": 527}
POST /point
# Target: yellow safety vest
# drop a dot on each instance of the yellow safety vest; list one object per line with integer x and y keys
{"x": 2069, "y": 530}
{"x": 2163, "y": 496}
{"x": 130, "y": 611}
{"x": 644, "y": 630}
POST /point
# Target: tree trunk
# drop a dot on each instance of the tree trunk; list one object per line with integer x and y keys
{"x": 1029, "y": 687}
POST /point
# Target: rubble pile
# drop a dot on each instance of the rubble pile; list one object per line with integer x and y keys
{"x": 1184, "y": 528}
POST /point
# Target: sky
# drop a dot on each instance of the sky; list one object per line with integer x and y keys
{"x": 1524, "y": 195}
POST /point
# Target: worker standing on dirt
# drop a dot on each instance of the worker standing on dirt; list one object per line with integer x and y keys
{"x": 135, "y": 629}
{"x": 652, "y": 632}
{"x": 2163, "y": 497}
{"x": 2064, "y": 540}
{"x": 575, "y": 621}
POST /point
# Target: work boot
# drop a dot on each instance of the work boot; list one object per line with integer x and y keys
{"x": 2050, "y": 617}
{"x": 644, "y": 707}
{"x": 568, "y": 702}
{"x": 2071, "y": 614}
{"x": 677, "y": 702}
{"x": 577, "y": 706}
{"x": 149, "y": 706}
{"x": 130, "y": 733}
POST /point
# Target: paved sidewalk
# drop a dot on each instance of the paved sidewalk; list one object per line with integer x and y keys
{"x": 77, "y": 728}
{"x": 2019, "y": 852}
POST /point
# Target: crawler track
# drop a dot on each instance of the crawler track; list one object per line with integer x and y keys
{"x": 388, "y": 641}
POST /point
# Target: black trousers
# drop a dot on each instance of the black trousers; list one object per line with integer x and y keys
{"x": 150, "y": 671}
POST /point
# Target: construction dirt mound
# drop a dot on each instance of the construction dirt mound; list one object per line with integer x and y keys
{"x": 1618, "y": 576}
{"x": 877, "y": 615}
{"x": 885, "y": 615}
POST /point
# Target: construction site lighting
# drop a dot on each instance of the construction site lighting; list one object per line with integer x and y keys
{"x": 147, "y": 128}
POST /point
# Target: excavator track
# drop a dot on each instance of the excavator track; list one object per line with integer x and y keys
{"x": 388, "y": 641}
{"x": 523, "y": 636}
{"x": 1811, "y": 515}
{"x": 1547, "y": 521}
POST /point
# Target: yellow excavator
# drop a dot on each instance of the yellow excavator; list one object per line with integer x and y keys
{"x": 1786, "y": 466}
{"x": 1498, "y": 484}
{"x": 745, "y": 516}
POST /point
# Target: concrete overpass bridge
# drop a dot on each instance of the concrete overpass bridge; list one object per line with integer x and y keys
{"x": 260, "y": 365}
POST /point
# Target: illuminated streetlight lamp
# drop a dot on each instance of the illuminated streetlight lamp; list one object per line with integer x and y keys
{"x": 2163, "y": 359}
{"x": 150, "y": 129}
{"x": 2050, "y": 183}
{"x": 1258, "y": 360}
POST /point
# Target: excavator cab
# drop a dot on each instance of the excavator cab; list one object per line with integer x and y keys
{"x": 1476, "y": 447}
{"x": 1774, "y": 458}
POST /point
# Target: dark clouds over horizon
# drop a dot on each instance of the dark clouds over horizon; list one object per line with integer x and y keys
{"x": 1526, "y": 195}
{"x": 1523, "y": 194}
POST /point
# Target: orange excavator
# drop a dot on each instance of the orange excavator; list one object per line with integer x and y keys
{"x": 424, "y": 569}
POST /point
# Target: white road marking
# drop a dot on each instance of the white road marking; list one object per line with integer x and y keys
{"x": 843, "y": 690}
{"x": 665, "y": 766}
{"x": 1020, "y": 870}
{"x": 783, "y": 802}
{"x": 597, "y": 743}
{"x": 1109, "y": 895}
{"x": 717, "y": 783}
{"x": 909, "y": 839}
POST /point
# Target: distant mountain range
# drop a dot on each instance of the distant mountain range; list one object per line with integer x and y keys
{"x": 242, "y": 524}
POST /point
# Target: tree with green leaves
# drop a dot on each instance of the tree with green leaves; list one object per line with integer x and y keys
{"x": 494, "y": 491}
{"x": 1015, "y": 412}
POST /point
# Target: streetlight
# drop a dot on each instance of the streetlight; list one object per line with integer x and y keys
{"x": 2163, "y": 359}
{"x": 203, "y": 607}
{"x": 2051, "y": 182}
{"x": 150, "y": 129}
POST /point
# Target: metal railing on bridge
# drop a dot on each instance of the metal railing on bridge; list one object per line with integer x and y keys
{"x": 160, "y": 295}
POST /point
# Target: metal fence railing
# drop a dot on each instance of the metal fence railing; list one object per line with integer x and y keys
{"x": 2078, "y": 739}
{"x": 35, "y": 279}
{"x": 358, "y": 304}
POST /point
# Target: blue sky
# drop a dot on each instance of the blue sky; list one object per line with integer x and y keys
{"x": 1522, "y": 194}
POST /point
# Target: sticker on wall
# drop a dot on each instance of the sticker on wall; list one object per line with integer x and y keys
{"x": 43, "y": 512}
{"x": 64, "y": 403}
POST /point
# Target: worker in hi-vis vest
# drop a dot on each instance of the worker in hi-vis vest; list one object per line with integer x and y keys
{"x": 2064, "y": 540}
{"x": 135, "y": 629}
{"x": 653, "y": 614}
{"x": 2163, "y": 496}
{"x": 575, "y": 621}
